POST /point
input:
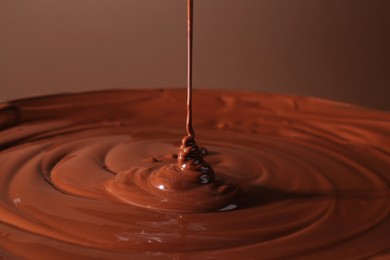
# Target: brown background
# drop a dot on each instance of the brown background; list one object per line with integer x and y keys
{"x": 336, "y": 49}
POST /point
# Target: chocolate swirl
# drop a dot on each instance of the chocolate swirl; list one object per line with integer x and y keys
{"x": 313, "y": 178}
{"x": 191, "y": 159}
{"x": 188, "y": 185}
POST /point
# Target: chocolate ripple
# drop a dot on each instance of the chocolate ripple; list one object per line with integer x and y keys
{"x": 294, "y": 177}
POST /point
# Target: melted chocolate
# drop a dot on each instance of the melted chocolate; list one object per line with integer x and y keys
{"x": 315, "y": 175}
{"x": 94, "y": 176}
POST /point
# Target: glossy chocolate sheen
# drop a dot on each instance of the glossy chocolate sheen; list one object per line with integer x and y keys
{"x": 294, "y": 177}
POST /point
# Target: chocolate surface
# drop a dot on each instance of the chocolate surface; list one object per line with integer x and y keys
{"x": 299, "y": 177}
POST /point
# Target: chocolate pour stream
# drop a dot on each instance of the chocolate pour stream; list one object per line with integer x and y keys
{"x": 191, "y": 156}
